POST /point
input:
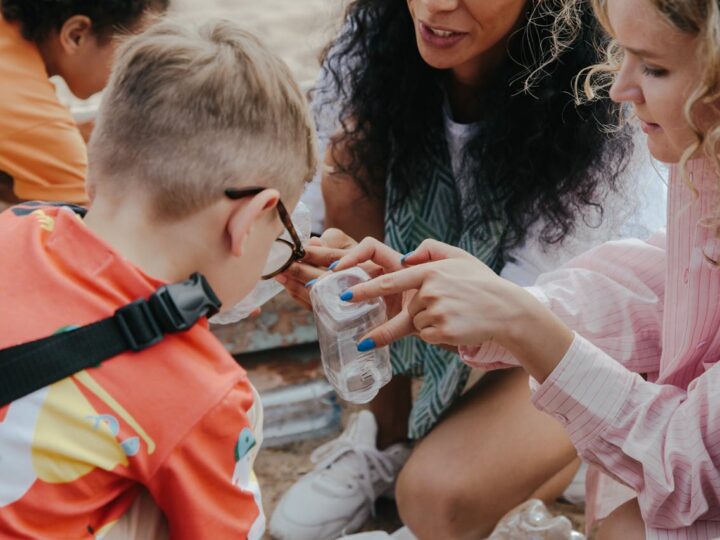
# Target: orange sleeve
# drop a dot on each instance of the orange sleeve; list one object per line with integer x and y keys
{"x": 206, "y": 486}
{"x": 46, "y": 162}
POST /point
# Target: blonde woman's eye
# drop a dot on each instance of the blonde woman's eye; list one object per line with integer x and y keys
{"x": 654, "y": 72}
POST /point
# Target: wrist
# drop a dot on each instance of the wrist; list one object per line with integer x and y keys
{"x": 537, "y": 338}
{"x": 525, "y": 317}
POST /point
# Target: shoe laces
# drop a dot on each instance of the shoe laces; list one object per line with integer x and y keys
{"x": 331, "y": 454}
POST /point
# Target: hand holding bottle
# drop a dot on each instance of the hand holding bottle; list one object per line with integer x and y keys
{"x": 457, "y": 301}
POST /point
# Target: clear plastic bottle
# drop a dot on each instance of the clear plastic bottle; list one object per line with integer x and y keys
{"x": 265, "y": 290}
{"x": 298, "y": 412}
{"x": 356, "y": 376}
{"x": 533, "y": 521}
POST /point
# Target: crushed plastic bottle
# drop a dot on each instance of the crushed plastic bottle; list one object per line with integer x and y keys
{"x": 533, "y": 521}
{"x": 298, "y": 412}
{"x": 357, "y": 376}
{"x": 265, "y": 290}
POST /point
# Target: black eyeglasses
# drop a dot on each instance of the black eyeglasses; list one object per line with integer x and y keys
{"x": 283, "y": 252}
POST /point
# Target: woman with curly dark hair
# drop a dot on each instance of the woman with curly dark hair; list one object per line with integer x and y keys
{"x": 455, "y": 120}
{"x": 42, "y": 153}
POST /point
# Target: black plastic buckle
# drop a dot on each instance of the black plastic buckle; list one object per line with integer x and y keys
{"x": 179, "y": 306}
{"x": 138, "y": 326}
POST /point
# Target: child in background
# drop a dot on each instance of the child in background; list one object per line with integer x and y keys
{"x": 42, "y": 153}
{"x": 624, "y": 341}
{"x": 201, "y": 134}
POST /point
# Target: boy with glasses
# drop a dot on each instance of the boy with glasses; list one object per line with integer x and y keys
{"x": 200, "y": 134}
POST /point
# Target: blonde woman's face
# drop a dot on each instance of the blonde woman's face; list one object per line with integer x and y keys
{"x": 659, "y": 71}
{"x": 466, "y": 36}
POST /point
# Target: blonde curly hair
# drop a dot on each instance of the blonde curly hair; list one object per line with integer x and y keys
{"x": 566, "y": 16}
{"x": 699, "y": 18}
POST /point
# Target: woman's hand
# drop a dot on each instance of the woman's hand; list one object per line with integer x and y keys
{"x": 319, "y": 254}
{"x": 453, "y": 293}
{"x": 457, "y": 300}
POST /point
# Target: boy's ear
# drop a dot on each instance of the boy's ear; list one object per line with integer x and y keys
{"x": 74, "y": 32}
{"x": 245, "y": 213}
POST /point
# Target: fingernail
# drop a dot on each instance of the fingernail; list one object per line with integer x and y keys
{"x": 347, "y": 295}
{"x": 311, "y": 283}
{"x": 402, "y": 261}
{"x": 281, "y": 279}
{"x": 366, "y": 345}
{"x": 333, "y": 265}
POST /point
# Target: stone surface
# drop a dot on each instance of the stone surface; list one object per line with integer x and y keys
{"x": 282, "y": 323}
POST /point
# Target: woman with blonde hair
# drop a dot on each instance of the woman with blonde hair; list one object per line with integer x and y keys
{"x": 622, "y": 343}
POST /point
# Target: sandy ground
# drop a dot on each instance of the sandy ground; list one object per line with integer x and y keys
{"x": 294, "y": 29}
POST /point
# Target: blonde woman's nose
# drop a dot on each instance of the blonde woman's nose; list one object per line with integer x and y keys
{"x": 626, "y": 87}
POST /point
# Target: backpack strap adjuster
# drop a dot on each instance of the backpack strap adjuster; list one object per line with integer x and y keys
{"x": 172, "y": 308}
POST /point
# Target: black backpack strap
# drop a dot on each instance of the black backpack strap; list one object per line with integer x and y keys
{"x": 141, "y": 324}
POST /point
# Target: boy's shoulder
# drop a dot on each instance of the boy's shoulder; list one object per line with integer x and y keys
{"x": 61, "y": 276}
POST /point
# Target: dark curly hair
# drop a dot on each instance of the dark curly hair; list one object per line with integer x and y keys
{"x": 39, "y": 18}
{"x": 544, "y": 158}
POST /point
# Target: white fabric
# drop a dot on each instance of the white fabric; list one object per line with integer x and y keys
{"x": 401, "y": 534}
{"x": 636, "y": 210}
{"x": 326, "y": 106}
{"x": 457, "y": 135}
{"x": 144, "y": 521}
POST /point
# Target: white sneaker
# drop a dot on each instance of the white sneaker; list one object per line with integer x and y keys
{"x": 400, "y": 534}
{"x": 575, "y": 492}
{"x": 338, "y": 496}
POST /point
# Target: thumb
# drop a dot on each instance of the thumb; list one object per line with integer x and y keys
{"x": 396, "y": 328}
{"x": 432, "y": 250}
{"x": 315, "y": 241}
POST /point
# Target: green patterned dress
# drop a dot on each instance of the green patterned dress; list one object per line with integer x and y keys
{"x": 449, "y": 209}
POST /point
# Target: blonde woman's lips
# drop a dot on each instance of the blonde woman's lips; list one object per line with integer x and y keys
{"x": 440, "y": 37}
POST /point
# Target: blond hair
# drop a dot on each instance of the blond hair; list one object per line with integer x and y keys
{"x": 699, "y": 18}
{"x": 190, "y": 111}
{"x": 566, "y": 16}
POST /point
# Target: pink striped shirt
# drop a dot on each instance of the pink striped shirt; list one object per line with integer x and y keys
{"x": 639, "y": 389}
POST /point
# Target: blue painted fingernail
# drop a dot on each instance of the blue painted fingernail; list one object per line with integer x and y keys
{"x": 402, "y": 261}
{"x": 366, "y": 345}
{"x": 346, "y": 296}
{"x": 333, "y": 265}
{"x": 311, "y": 283}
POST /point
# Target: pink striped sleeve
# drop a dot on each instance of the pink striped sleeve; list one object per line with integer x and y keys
{"x": 612, "y": 295}
{"x": 660, "y": 440}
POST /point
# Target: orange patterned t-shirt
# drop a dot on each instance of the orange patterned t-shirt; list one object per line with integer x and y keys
{"x": 177, "y": 418}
